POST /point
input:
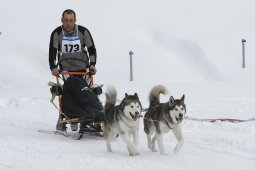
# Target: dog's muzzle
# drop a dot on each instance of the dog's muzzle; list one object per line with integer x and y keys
{"x": 136, "y": 116}
{"x": 180, "y": 118}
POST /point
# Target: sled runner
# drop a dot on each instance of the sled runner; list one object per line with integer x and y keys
{"x": 78, "y": 102}
{"x": 71, "y": 135}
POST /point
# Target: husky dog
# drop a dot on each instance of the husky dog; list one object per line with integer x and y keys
{"x": 122, "y": 119}
{"x": 161, "y": 117}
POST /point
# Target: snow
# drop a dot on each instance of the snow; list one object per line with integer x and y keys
{"x": 191, "y": 47}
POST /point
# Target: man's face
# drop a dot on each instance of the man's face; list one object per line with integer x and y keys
{"x": 68, "y": 22}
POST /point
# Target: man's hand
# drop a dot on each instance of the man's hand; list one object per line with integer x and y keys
{"x": 54, "y": 72}
{"x": 92, "y": 69}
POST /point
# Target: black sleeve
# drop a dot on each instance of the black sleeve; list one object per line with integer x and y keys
{"x": 52, "y": 54}
{"x": 53, "y": 50}
{"x": 89, "y": 43}
{"x": 92, "y": 51}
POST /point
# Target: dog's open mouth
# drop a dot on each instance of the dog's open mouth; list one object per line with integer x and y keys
{"x": 178, "y": 119}
{"x": 135, "y": 117}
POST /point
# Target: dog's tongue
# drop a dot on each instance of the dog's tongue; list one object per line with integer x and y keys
{"x": 136, "y": 116}
{"x": 178, "y": 119}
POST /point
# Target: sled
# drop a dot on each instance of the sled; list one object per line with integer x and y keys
{"x": 89, "y": 124}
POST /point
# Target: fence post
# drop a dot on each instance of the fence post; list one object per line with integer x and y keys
{"x": 131, "y": 65}
{"x": 243, "y": 52}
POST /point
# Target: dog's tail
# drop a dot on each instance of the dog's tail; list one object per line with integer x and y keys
{"x": 154, "y": 94}
{"x": 111, "y": 97}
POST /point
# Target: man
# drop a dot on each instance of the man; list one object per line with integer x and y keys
{"x": 70, "y": 42}
{"x": 73, "y": 47}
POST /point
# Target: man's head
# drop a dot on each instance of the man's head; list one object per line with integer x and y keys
{"x": 68, "y": 19}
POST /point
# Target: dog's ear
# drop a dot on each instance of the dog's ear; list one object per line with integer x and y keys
{"x": 183, "y": 97}
{"x": 136, "y": 95}
{"x": 126, "y": 95}
{"x": 171, "y": 100}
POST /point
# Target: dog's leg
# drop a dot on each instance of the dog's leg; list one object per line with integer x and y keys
{"x": 129, "y": 149}
{"x": 136, "y": 137}
{"x": 130, "y": 135}
{"x": 160, "y": 143}
{"x": 178, "y": 134}
{"x": 108, "y": 138}
{"x": 108, "y": 144}
{"x": 149, "y": 141}
{"x": 131, "y": 146}
{"x": 153, "y": 147}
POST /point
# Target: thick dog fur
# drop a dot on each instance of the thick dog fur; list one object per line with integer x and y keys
{"x": 122, "y": 119}
{"x": 163, "y": 117}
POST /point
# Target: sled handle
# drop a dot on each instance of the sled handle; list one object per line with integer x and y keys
{"x": 75, "y": 73}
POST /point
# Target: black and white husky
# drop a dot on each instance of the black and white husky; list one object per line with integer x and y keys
{"x": 161, "y": 117}
{"x": 122, "y": 119}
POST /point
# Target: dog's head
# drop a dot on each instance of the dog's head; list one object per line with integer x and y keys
{"x": 177, "y": 109}
{"x": 131, "y": 106}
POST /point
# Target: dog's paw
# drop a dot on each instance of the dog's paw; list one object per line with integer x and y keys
{"x": 154, "y": 150}
{"x": 177, "y": 149}
{"x": 163, "y": 153}
{"x": 150, "y": 146}
{"x": 109, "y": 149}
{"x": 131, "y": 154}
{"x": 136, "y": 153}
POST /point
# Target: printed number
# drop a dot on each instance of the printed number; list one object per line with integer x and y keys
{"x": 72, "y": 48}
{"x": 76, "y": 47}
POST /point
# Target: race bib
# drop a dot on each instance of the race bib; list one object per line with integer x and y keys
{"x": 71, "y": 44}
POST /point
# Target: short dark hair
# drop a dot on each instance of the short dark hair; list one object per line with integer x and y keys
{"x": 69, "y": 11}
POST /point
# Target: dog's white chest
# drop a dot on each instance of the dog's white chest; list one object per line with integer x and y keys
{"x": 129, "y": 126}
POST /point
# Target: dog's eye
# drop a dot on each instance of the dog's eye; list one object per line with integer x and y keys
{"x": 182, "y": 109}
{"x": 132, "y": 106}
{"x": 176, "y": 109}
{"x": 138, "y": 106}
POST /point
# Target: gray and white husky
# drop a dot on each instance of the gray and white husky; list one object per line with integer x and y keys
{"x": 161, "y": 117}
{"x": 122, "y": 119}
